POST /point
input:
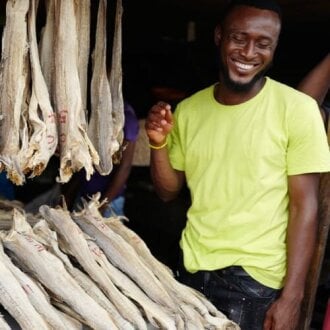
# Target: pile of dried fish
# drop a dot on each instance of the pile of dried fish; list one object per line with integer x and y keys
{"x": 95, "y": 271}
{"x": 44, "y": 87}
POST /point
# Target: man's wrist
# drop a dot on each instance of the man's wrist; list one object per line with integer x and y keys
{"x": 158, "y": 146}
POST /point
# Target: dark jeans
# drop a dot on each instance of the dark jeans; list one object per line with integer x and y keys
{"x": 241, "y": 298}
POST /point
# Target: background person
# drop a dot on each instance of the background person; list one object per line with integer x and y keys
{"x": 113, "y": 185}
{"x": 316, "y": 83}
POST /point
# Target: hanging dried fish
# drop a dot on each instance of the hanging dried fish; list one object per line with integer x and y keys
{"x": 76, "y": 150}
{"x": 46, "y": 48}
{"x": 13, "y": 76}
{"x": 41, "y": 117}
{"x": 116, "y": 79}
{"x": 100, "y": 127}
{"x": 82, "y": 10}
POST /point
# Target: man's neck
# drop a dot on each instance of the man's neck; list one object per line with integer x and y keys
{"x": 228, "y": 96}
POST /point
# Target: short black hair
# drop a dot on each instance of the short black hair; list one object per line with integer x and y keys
{"x": 260, "y": 4}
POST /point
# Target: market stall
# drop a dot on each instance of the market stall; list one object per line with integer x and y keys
{"x": 62, "y": 269}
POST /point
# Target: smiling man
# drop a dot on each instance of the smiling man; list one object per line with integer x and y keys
{"x": 250, "y": 150}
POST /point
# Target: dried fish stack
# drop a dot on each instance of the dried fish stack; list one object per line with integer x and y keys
{"x": 98, "y": 273}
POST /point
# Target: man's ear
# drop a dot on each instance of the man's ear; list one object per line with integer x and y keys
{"x": 217, "y": 35}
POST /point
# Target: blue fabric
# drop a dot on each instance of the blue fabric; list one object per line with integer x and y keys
{"x": 116, "y": 207}
{"x": 6, "y": 187}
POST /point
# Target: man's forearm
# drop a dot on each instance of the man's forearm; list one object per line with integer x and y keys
{"x": 302, "y": 229}
{"x": 167, "y": 181}
{"x": 301, "y": 246}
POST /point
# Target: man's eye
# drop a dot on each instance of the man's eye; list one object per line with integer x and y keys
{"x": 263, "y": 45}
{"x": 238, "y": 39}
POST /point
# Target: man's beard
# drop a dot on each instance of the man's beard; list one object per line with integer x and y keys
{"x": 237, "y": 86}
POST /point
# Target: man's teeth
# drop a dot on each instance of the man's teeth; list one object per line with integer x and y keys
{"x": 244, "y": 66}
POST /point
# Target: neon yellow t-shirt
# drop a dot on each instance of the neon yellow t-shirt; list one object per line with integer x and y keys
{"x": 236, "y": 160}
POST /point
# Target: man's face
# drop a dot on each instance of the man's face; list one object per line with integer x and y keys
{"x": 246, "y": 41}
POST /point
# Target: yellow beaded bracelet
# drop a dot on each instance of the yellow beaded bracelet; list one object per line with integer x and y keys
{"x": 158, "y": 147}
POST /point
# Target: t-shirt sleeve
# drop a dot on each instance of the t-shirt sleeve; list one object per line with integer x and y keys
{"x": 308, "y": 148}
{"x": 175, "y": 143}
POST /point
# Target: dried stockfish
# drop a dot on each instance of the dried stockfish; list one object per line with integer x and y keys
{"x": 37, "y": 296}
{"x": 71, "y": 235}
{"x": 155, "y": 313}
{"x": 8, "y": 205}
{"x": 3, "y": 323}
{"x": 121, "y": 254}
{"x": 116, "y": 78}
{"x": 13, "y": 75}
{"x": 74, "y": 323}
{"x": 76, "y": 150}
{"x": 49, "y": 237}
{"x": 46, "y": 47}
{"x": 193, "y": 320}
{"x": 82, "y": 10}
{"x": 6, "y": 218}
{"x": 51, "y": 273}
{"x": 18, "y": 174}
{"x": 186, "y": 296}
{"x": 131, "y": 237}
{"x": 68, "y": 311}
{"x": 100, "y": 127}
{"x": 41, "y": 117}
{"x": 14, "y": 299}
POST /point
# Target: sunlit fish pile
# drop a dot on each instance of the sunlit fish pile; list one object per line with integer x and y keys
{"x": 79, "y": 270}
